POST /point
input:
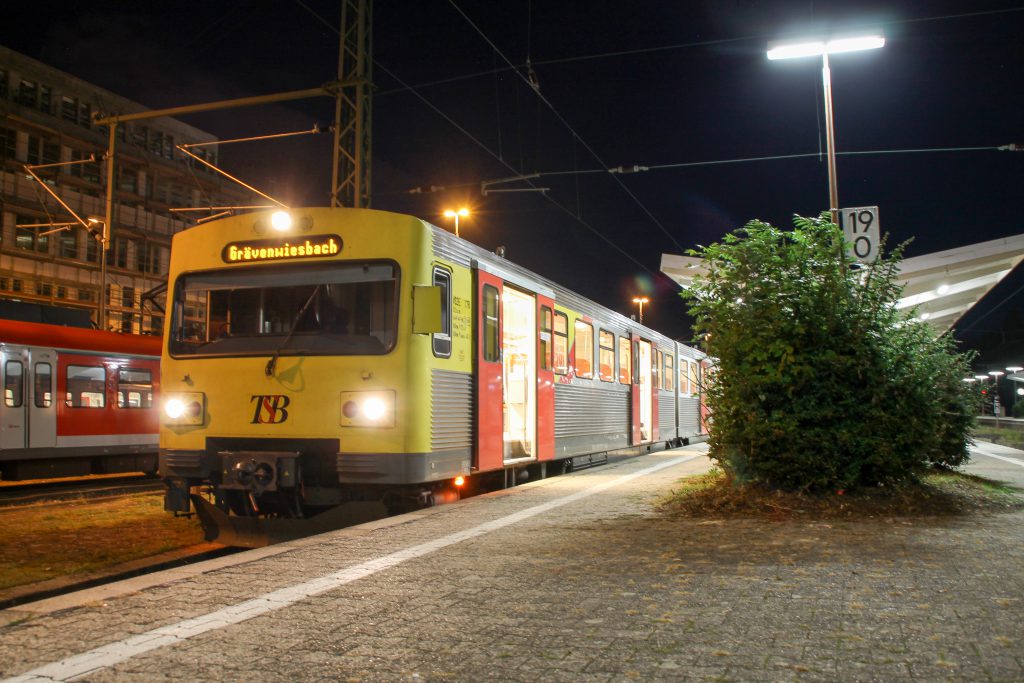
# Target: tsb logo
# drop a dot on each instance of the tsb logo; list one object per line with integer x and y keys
{"x": 271, "y": 409}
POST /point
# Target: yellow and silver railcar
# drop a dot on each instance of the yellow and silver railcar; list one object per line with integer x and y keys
{"x": 323, "y": 358}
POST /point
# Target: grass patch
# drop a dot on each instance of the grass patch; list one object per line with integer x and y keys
{"x": 940, "y": 493}
{"x": 1014, "y": 438}
{"x": 38, "y": 543}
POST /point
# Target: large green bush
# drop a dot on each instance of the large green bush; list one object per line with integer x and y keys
{"x": 821, "y": 383}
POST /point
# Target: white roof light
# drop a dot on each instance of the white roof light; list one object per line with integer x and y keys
{"x": 943, "y": 288}
{"x": 281, "y": 220}
{"x": 872, "y": 42}
{"x": 794, "y": 50}
{"x": 816, "y": 47}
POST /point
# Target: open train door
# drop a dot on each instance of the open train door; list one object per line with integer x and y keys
{"x": 507, "y": 375}
{"x": 642, "y": 414}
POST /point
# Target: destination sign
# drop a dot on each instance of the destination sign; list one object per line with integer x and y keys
{"x": 254, "y": 251}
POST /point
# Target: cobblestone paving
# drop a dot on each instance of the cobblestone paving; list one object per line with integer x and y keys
{"x": 602, "y": 589}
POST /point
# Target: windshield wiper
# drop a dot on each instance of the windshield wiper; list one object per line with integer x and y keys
{"x": 272, "y": 363}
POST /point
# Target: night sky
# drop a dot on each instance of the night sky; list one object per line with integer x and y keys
{"x": 648, "y": 83}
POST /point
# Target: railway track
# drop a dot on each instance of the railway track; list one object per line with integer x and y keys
{"x": 57, "y": 491}
{"x": 22, "y": 595}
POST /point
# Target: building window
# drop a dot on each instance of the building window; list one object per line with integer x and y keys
{"x": 46, "y": 289}
{"x": 120, "y": 252}
{"x": 148, "y": 257}
{"x": 625, "y": 361}
{"x": 68, "y": 241}
{"x": 45, "y": 99}
{"x": 3, "y": 83}
{"x": 584, "y": 349}
{"x": 14, "y": 384}
{"x": 85, "y": 388}
{"x": 490, "y": 312}
{"x": 28, "y": 93}
{"x": 62, "y": 292}
{"x": 606, "y": 357}
{"x": 85, "y": 295}
{"x": 92, "y": 249}
{"x": 561, "y": 343}
{"x": 69, "y": 109}
{"x": 8, "y": 143}
{"x": 84, "y": 115}
{"x": 128, "y": 297}
{"x": 442, "y": 341}
{"x": 127, "y": 320}
{"x": 89, "y": 171}
{"x": 134, "y": 388}
{"x": 29, "y": 239}
{"x": 669, "y": 376}
{"x": 129, "y": 181}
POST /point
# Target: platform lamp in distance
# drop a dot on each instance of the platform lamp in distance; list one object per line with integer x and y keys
{"x": 450, "y": 213}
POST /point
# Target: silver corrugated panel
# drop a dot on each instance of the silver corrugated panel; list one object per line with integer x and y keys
{"x": 451, "y": 410}
{"x": 666, "y": 415}
{"x": 689, "y": 416}
{"x": 583, "y": 410}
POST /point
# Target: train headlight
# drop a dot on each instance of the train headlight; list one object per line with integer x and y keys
{"x": 184, "y": 408}
{"x": 367, "y": 409}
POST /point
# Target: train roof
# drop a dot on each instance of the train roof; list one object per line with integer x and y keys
{"x": 77, "y": 339}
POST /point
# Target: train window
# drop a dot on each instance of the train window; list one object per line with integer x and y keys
{"x": 584, "y": 349}
{"x": 694, "y": 378}
{"x": 134, "y": 388}
{"x": 491, "y": 352}
{"x": 86, "y": 386}
{"x": 44, "y": 385}
{"x": 340, "y": 309}
{"x": 669, "y": 376}
{"x": 442, "y": 341}
{"x": 625, "y": 361}
{"x": 684, "y": 376}
{"x": 14, "y": 383}
{"x": 606, "y": 357}
{"x": 545, "y": 338}
{"x": 561, "y": 343}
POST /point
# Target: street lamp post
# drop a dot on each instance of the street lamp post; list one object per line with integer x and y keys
{"x": 813, "y": 49}
{"x": 640, "y": 301}
{"x": 449, "y": 213}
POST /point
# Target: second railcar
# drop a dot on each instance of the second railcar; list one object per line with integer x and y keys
{"x": 76, "y": 401}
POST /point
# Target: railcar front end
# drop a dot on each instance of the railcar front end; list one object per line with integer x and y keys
{"x": 297, "y": 365}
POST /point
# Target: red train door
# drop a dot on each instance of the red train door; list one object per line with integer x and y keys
{"x": 489, "y": 371}
{"x": 545, "y": 379}
{"x": 509, "y": 376}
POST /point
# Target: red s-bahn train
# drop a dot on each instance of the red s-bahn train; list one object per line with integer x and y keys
{"x": 77, "y": 401}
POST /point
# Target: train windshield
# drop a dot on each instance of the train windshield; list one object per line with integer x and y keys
{"x": 337, "y": 309}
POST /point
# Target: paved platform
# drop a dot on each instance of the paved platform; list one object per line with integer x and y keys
{"x": 574, "y": 578}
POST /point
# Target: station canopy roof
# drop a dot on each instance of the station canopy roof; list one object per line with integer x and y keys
{"x": 942, "y": 286}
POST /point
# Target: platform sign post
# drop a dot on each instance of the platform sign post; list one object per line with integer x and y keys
{"x": 860, "y": 226}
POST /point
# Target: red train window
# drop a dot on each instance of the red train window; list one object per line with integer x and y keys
{"x": 86, "y": 386}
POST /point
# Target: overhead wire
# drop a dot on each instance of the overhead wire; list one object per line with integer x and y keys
{"x": 565, "y": 123}
{"x": 484, "y": 147}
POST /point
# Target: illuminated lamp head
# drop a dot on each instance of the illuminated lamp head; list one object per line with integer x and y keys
{"x": 281, "y": 221}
